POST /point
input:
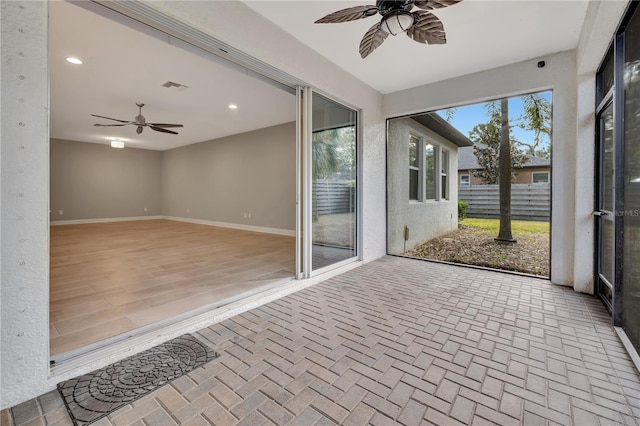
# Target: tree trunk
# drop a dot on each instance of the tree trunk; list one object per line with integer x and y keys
{"x": 505, "y": 177}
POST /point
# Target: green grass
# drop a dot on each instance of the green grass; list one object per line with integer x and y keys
{"x": 517, "y": 226}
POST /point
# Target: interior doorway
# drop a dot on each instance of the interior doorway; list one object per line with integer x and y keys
{"x": 173, "y": 223}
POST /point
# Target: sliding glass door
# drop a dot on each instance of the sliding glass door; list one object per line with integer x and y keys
{"x": 329, "y": 183}
{"x": 631, "y": 177}
{"x": 617, "y": 208}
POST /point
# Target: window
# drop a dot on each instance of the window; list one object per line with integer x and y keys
{"x": 444, "y": 175}
{"x": 429, "y": 172}
{"x": 423, "y": 169}
{"x": 414, "y": 167}
{"x": 465, "y": 180}
{"x": 540, "y": 177}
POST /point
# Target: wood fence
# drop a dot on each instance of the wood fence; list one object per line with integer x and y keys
{"x": 333, "y": 197}
{"x": 528, "y": 202}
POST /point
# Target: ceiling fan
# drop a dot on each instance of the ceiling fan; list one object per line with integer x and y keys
{"x": 140, "y": 122}
{"x": 397, "y": 17}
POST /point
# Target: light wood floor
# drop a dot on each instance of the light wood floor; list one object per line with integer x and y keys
{"x": 110, "y": 278}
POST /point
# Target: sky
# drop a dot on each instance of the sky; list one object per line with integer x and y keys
{"x": 466, "y": 117}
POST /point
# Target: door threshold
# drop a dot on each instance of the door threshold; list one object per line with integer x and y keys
{"x": 157, "y": 327}
{"x": 88, "y": 358}
{"x": 631, "y": 350}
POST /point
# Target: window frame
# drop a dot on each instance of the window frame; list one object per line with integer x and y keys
{"x": 417, "y": 168}
{"x": 539, "y": 173}
{"x": 445, "y": 160}
{"x": 422, "y": 144}
{"x": 465, "y": 175}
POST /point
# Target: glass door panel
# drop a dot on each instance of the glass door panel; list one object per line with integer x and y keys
{"x": 631, "y": 211}
{"x": 334, "y": 182}
{"x": 605, "y": 216}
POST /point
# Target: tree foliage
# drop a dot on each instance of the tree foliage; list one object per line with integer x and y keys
{"x": 325, "y": 155}
{"x": 486, "y": 140}
{"x": 536, "y": 118}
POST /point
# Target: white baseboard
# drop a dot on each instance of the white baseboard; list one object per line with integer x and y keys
{"x": 240, "y": 226}
{"x": 103, "y": 220}
{"x": 262, "y": 229}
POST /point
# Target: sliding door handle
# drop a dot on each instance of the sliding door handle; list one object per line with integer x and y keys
{"x": 600, "y": 213}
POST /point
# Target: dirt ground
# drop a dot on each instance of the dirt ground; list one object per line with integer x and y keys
{"x": 474, "y": 246}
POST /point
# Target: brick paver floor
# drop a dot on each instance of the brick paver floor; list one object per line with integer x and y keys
{"x": 400, "y": 341}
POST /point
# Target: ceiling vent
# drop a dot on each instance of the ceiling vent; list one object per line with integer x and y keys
{"x": 170, "y": 84}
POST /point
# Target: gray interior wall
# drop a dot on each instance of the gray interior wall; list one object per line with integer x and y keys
{"x": 226, "y": 179}
{"x": 94, "y": 181}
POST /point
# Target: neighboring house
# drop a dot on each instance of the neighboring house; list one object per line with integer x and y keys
{"x": 534, "y": 170}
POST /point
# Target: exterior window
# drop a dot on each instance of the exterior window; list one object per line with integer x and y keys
{"x": 540, "y": 177}
{"x": 414, "y": 168}
{"x": 424, "y": 166}
{"x": 465, "y": 180}
{"x": 444, "y": 175}
{"x": 429, "y": 172}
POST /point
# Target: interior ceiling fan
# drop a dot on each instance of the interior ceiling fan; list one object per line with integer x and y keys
{"x": 397, "y": 17}
{"x": 140, "y": 122}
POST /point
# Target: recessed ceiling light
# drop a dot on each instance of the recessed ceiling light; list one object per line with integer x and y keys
{"x": 117, "y": 144}
{"x": 74, "y": 60}
{"x": 233, "y": 106}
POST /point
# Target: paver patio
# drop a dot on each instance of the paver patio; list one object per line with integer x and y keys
{"x": 400, "y": 341}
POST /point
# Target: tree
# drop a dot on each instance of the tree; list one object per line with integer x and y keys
{"x": 324, "y": 154}
{"x": 324, "y": 161}
{"x": 504, "y": 234}
{"x": 486, "y": 139}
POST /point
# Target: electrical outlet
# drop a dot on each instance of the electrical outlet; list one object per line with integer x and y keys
{"x": 60, "y": 212}
{"x": 245, "y": 215}
{"x": 188, "y": 211}
{"x": 145, "y": 209}
{"x": 249, "y": 215}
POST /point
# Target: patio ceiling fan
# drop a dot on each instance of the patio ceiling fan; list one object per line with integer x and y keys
{"x": 140, "y": 122}
{"x": 397, "y": 17}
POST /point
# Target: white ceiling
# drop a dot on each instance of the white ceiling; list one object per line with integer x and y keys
{"x": 123, "y": 66}
{"x": 480, "y": 35}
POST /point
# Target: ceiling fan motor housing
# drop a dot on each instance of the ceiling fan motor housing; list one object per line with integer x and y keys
{"x": 386, "y": 6}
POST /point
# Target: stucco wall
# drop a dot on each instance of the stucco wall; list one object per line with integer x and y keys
{"x": 426, "y": 219}
{"x": 559, "y": 74}
{"x": 24, "y": 225}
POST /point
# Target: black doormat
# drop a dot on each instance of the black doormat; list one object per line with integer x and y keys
{"x": 96, "y": 394}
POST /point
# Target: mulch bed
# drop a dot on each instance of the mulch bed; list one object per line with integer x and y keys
{"x": 474, "y": 246}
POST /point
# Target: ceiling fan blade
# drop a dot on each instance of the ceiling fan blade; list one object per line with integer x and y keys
{"x": 435, "y": 4}
{"x": 164, "y": 125}
{"x": 349, "y": 14}
{"x": 372, "y": 39}
{"x": 160, "y": 129}
{"x": 109, "y": 118}
{"x": 427, "y": 28}
{"x": 111, "y": 125}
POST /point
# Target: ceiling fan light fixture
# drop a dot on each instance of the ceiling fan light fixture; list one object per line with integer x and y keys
{"x": 396, "y": 22}
{"x": 139, "y": 130}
